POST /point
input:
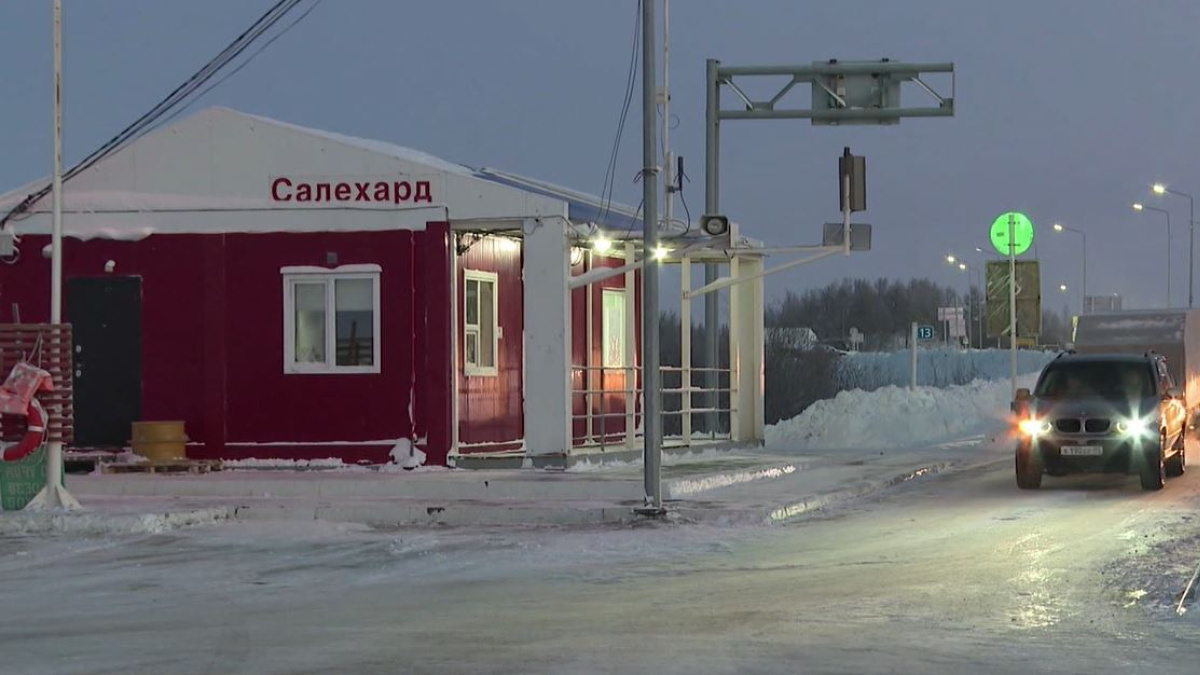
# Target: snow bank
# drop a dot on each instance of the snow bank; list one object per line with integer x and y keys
{"x": 941, "y": 367}
{"x": 897, "y": 418}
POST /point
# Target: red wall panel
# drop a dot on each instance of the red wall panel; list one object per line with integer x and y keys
{"x": 174, "y": 279}
{"x": 265, "y": 404}
{"x": 212, "y": 343}
{"x": 490, "y": 407}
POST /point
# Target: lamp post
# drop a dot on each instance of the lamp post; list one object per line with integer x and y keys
{"x": 1138, "y": 206}
{"x": 1160, "y": 189}
{"x": 976, "y": 311}
{"x": 1059, "y": 227}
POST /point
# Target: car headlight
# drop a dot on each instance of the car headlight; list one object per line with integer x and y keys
{"x": 1034, "y": 427}
{"x": 1133, "y": 427}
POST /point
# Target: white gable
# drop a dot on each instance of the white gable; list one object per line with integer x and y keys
{"x": 224, "y": 171}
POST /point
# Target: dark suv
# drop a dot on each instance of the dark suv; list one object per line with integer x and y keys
{"x": 1101, "y": 413}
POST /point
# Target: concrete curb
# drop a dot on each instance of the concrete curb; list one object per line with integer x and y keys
{"x": 390, "y": 514}
{"x": 415, "y": 511}
{"x": 99, "y": 523}
{"x": 395, "y": 513}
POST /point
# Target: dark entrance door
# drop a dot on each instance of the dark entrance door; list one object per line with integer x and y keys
{"x": 106, "y": 319}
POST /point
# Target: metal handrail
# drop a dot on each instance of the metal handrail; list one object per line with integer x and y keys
{"x": 669, "y": 369}
{"x": 693, "y": 411}
{"x": 596, "y": 417}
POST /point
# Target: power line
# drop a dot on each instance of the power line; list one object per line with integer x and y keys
{"x": 610, "y": 178}
{"x": 177, "y": 97}
{"x": 237, "y": 70}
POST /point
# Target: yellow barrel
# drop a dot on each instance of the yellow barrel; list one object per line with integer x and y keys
{"x": 159, "y": 441}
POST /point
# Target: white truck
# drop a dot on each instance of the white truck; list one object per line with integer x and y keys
{"x": 1171, "y": 333}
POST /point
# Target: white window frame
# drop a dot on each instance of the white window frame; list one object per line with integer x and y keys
{"x": 328, "y": 276}
{"x": 604, "y": 327}
{"x": 472, "y": 370}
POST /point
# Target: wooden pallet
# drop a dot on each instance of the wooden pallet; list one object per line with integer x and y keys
{"x": 190, "y": 466}
{"x": 87, "y": 461}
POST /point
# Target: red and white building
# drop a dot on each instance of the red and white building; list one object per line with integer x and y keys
{"x": 293, "y": 293}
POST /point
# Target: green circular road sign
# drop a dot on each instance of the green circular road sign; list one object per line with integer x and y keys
{"x": 1022, "y": 231}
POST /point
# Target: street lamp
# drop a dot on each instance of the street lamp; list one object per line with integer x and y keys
{"x": 976, "y": 310}
{"x": 1062, "y": 288}
{"x": 1059, "y": 227}
{"x": 1160, "y": 189}
{"x": 1139, "y": 207}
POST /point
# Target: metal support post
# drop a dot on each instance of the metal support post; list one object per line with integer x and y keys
{"x": 55, "y": 495}
{"x": 685, "y": 341}
{"x": 712, "y": 204}
{"x": 651, "y": 375}
{"x": 589, "y": 376}
{"x": 630, "y": 355}
{"x": 1012, "y": 301}
{"x": 735, "y": 356}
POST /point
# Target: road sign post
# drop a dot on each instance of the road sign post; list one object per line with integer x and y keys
{"x": 912, "y": 347}
{"x": 920, "y": 333}
{"x": 1012, "y": 235}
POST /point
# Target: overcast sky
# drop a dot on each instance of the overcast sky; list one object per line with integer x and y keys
{"x": 1066, "y": 109}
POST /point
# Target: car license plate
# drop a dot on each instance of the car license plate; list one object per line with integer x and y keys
{"x": 1082, "y": 450}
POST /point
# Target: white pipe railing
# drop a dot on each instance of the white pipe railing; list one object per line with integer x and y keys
{"x": 595, "y": 414}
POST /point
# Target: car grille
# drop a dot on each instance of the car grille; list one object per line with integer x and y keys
{"x": 1070, "y": 425}
{"x": 1067, "y": 426}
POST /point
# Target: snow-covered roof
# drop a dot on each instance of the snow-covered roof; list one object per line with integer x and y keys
{"x": 206, "y": 171}
{"x": 370, "y": 145}
{"x": 581, "y": 207}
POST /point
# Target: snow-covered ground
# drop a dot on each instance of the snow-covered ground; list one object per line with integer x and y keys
{"x": 898, "y": 418}
{"x": 939, "y": 367}
{"x": 942, "y": 578}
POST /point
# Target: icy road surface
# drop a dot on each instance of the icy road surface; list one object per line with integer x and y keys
{"x": 959, "y": 574}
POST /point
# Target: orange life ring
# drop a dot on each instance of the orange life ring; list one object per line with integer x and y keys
{"x": 35, "y": 433}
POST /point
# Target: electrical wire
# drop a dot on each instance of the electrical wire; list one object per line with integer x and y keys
{"x": 236, "y": 70}
{"x": 610, "y": 173}
{"x": 633, "y": 220}
{"x": 683, "y": 200}
{"x": 180, "y": 94}
{"x": 687, "y": 212}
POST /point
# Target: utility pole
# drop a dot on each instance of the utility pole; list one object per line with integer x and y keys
{"x": 54, "y": 495}
{"x": 668, "y": 176}
{"x": 651, "y": 375}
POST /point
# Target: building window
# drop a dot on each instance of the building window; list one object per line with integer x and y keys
{"x": 481, "y": 334}
{"x": 613, "y": 328}
{"x": 331, "y": 319}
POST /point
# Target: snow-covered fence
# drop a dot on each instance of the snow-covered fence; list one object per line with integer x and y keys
{"x": 935, "y": 367}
